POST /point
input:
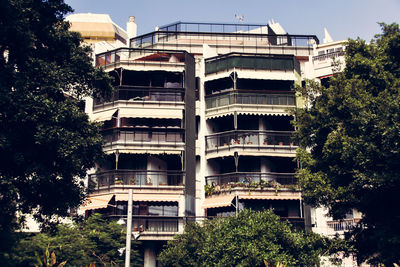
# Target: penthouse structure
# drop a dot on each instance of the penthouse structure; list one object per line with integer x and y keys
{"x": 199, "y": 126}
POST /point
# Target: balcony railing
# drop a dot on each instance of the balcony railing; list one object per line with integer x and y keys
{"x": 247, "y": 138}
{"x": 143, "y": 137}
{"x": 251, "y": 61}
{"x": 141, "y": 94}
{"x": 135, "y": 56}
{"x": 107, "y": 179}
{"x": 247, "y": 98}
{"x": 247, "y": 178}
{"x": 227, "y": 39}
{"x": 328, "y": 56}
{"x": 342, "y": 225}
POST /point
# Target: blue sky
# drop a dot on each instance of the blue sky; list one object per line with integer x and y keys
{"x": 342, "y": 18}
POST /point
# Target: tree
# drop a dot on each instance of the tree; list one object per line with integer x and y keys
{"x": 250, "y": 239}
{"x": 352, "y": 130}
{"x": 46, "y": 141}
{"x": 94, "y": 240}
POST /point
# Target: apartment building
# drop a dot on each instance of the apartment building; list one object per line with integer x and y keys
{"x": 199, "y": 125}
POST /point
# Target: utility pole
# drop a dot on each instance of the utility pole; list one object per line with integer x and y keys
{"x": 129, "y": 230}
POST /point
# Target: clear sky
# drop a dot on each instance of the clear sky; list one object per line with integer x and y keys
{"x": 343, "y": 18}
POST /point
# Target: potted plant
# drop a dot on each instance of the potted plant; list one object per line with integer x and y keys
{"x": 148, "y": 181}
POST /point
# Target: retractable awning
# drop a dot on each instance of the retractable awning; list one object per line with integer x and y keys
{"x": 159, "y": 113}
{"x": 217, "y": 202}
{"x": 148, "y": 197}
{"x": 104, "y": 115}
{"x": 272, "y": 197}
{"x": 96, "y": 202}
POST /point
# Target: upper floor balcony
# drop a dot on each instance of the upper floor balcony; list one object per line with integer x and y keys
{"x": 225, "y": 38}
{"x": 142, "y": 59}
{"x": 252, "y": 179}
{"x": 250, "y": 142}
{"x": 131, "y": 140}
{"x": 135, "y": 179}
{"x": 253, "y": 66}
{"x": 249, "y": 102}
{"x": 142, "y": 96}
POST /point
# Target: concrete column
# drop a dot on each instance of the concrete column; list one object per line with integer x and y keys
{"x": 149, "y": 256}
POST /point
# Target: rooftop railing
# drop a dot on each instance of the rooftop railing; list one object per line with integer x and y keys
{"x": 227, "y": 39}
{"x": 143, "y": 136}
{"x": 145, "y": 94}
{"x": 248, "y": 138}
{"x": 106, "y": 179}
{"x": 252, "y": 98}
{"x": 214, "y": 27}
{"x": 247, "y": 178}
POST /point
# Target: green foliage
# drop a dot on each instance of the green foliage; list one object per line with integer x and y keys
{"x": 250, "y": 239}
{"x": 353, "y": 131}
{"x": 49, "y": 260}
{"x": 93, "y": 241}
{"x": 46, "y": 141}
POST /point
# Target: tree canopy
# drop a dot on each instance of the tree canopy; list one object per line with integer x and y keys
{"x": 93, "y": 241}
{"x": 352, "y": 132}
{"x": 46, "y": 141}
{"x": 250, "y": 239}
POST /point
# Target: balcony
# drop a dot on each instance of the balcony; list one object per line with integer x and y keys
{"x": 136, "y": 178}
{"x": 259, "y": 62}
{"x": 225, "y": 38}
{"x": 243, "y": 102}
{"x": 129, "y": 95}
{"x": 144, "y": 140}
{"x": 250, "y": 142}
{"x": 342, "y": 225}
{"x": 142, "y": 59}
{"x": 252, "y": 179}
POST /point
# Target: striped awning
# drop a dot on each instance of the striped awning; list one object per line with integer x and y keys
{"x": 96, "y": 202}
{"x": 272, "y": 197}
{"x": 160, "y": 113}
{"x": 104, "y": 115}
{"x": 217, "y": 202}
{"x": 148, "y": 197}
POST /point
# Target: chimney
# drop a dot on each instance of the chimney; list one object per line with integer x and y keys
{"x": 131, "y": 27}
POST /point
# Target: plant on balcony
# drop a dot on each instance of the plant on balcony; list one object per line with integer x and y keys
{"x": 118, "y": 181}
{"x": 132, "y": 181}
{"x": 148, "y": 181}
{"x": 209, "y": 189}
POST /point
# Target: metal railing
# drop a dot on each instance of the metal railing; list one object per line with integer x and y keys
{"x": 144, "y": 94}
{"x": 155, "y": 224}
{"x": 145, "y": 137}
{"x": 329, "y": 55}
{"x": 342, "y": 225}
{"x": 134, "y": 56}
{"x": 251, "y": 177}
{"x": 180, "y": 26}
{"x": 246, "y": 138}
{"x": 252, "y": 61}
{"x": 135, "y": 177}
{"x": 247, "y": 98}
{"x": 226, "y": 39}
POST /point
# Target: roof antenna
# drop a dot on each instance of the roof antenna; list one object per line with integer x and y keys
{"x": 240, "y": 18}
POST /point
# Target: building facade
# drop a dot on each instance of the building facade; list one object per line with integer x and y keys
{"x": 200, "y": 126}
